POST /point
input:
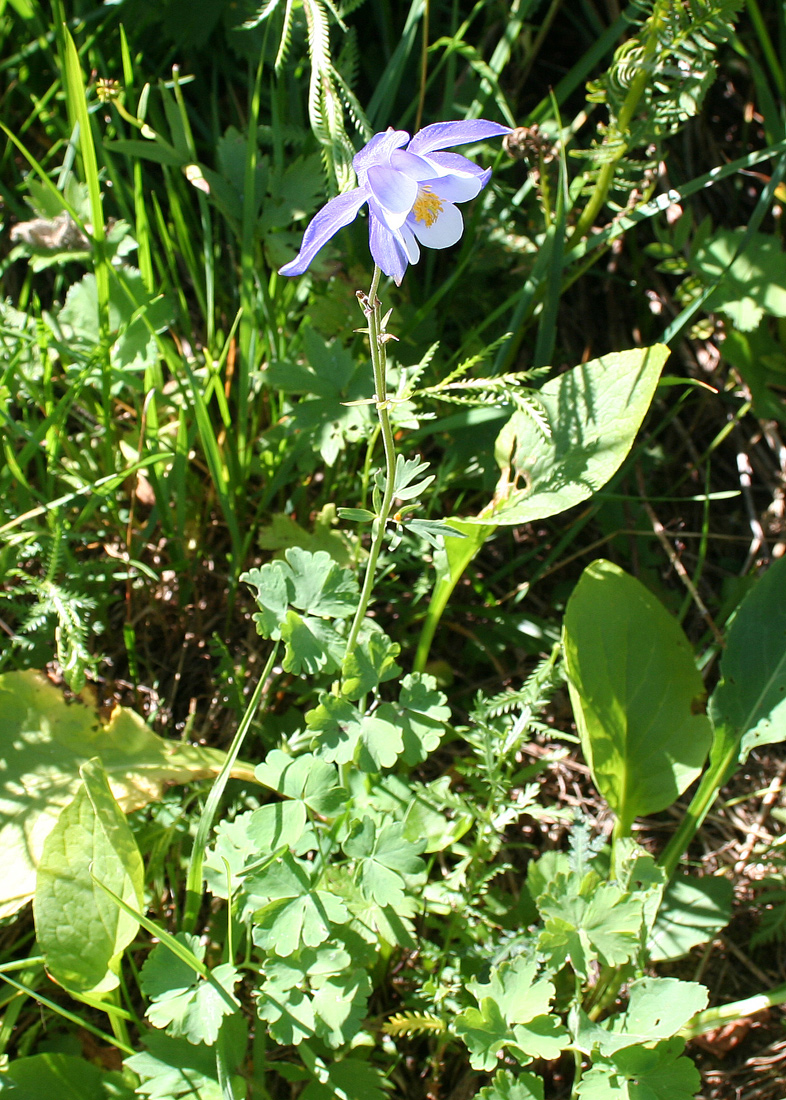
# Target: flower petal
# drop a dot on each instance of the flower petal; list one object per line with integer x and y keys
{"x": 394, "y": 192}
{"x": 443, "y": 231}
{"x": 379, "y": 148}
{"x": 458, "y": 188}
{"x": 454, "y": 164}
{"x": 334, "y": 215}
{"x": 417, "y": 168}
{"x": 386, "y": 251}
{"x": 407, "y": 238}
{"x": 443, "y": 135}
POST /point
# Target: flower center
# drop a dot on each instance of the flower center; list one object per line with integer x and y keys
{"x": 427, "y": 207}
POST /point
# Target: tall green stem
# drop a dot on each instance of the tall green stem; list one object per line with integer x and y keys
{"x": 372, "y": 308}
{"x": 721, "y": 766}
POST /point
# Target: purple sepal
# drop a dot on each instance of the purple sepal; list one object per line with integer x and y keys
{"x": 386, "y": 252}
{"x": 443, "y": 135}
{"x": 334, "y": 215}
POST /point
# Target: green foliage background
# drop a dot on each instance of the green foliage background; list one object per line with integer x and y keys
{"x": 262, "y": 866}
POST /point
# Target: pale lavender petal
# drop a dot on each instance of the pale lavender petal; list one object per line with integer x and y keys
{"x": 386, "y": 251}
{"x": 457, "y": 188}
{"x": 407, "y": 238}
{"x": 379, "y": 148}
{"x": 443, "y": 135}
{"x": 334, "y": 215}
{"x": 394, "y": 192}
{"x": 455, "y": 164}
{"x": 417, "y": 168}
{"x": 443, "y": 231}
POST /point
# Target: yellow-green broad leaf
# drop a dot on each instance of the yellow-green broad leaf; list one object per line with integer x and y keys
{"x": 636, "y": 693}
{"x": 81, "y": 930}
{"x": 43, "y": 743}
{"x": 589, "y": 419}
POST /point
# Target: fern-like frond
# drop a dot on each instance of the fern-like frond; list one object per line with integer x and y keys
{"x": 263, "y": 13}
{"x": 286, "y": 36}
{"x": 412, "y": 375}
{"x": 356, "y": 112}
{"x": 414, "y": 1023}
{"x": 657, "y": 81}
{"x": 466, "y": 365}
{"x": 532, "y": 696}
{"x": 337, "y": 15}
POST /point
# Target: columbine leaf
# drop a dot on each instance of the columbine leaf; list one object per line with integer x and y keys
{"x": 343, "y": 734}
{"x": 286, "y": 924}
{"x": 240, "y": 842}
{"x": 504, "y": 1086}
{"x": 340, "y": 1005}
{"x": 657, "y": 1009}
{"x": 657, "y": 1073}
{"x": 321, "y": 586}
{"x": 420, "y": 714}
{"x": 185, "y": 1004}
{"x": 319, "y": 992}
{"x": 307, "y": 778}
{"x": 171, "y": 1068}
{"x": 371, "y": 663}
{"x": 512, "y": 985}
{"x": 524, "y": 1004}
{"x": 422, "y": 809}
{"x": 312, "y": 645}
{"x": 350, "y": 1079}
{"x": 543, "y": 1037}
{"x": 330, "y": 373}
{"x": 289, "y": 1012}
{"x": 383, "y": 858}
{"x": 298, "y": 913}
{"x": 484, "y": 1032}
{"x": 164, "y": 971}
{"x": 605, "y": 925}
{"x": 272, "y": 597}
{"x": 373, "y": 922}
{"x": 407, "y": 469}
{"x": 434, "y": 531}
{"x": 355, "y": 515}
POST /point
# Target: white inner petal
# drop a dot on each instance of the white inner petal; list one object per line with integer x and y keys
{"x": 443, "y": 231}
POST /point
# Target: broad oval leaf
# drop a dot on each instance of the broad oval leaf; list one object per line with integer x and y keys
{"x": 81, "y": 930}
{"x": 593, "y": 413}
{"x": 692, "y": 912}
{"x": 749, "y": 703}
{"x": 636, "y": 693}
{"x": 43, "y": 742}
{"x": 64, "y": 1076}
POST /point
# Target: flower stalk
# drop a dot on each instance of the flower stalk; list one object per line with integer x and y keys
{"x": 372, "y": 308}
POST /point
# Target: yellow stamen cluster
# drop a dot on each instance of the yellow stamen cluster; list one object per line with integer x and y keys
{"x": 428, "y": 206}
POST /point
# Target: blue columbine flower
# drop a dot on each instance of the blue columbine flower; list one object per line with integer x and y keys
{"x": 410, "y": 193}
